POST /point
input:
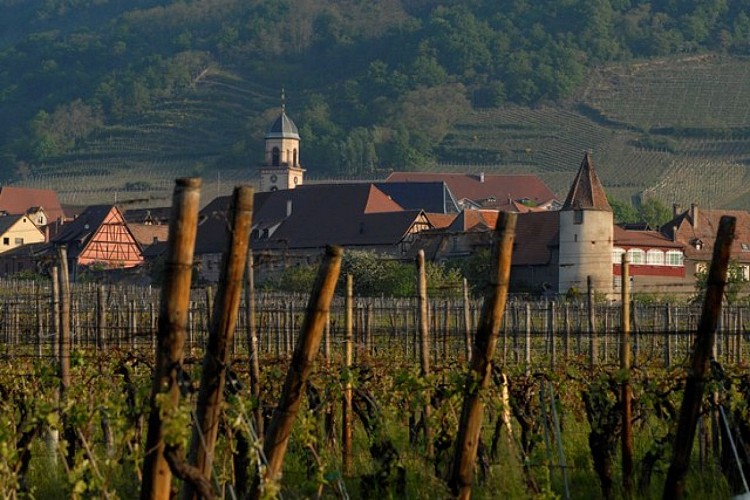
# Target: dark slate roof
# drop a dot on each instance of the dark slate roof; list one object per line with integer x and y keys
{"x": 155, "y": 215}
{"x": 537, "y": 234}
{"x": 587, "y": 191}
{"x": 17, "y": 200}
{"x": 80, "y": 229}
{"x": 433, "y": 197}
{"x": 312, "y": 216}
{"x": 344, "y": 214}
{"x": 483, "y": 186}
{"x": 283, "y": 127}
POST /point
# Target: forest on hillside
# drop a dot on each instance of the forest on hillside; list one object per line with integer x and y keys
{"x": 372, "y": 85}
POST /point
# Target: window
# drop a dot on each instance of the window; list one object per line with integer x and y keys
{"x": 674, "y": 258}
{"x": 275, "y": 157}
{"x": 637, "y": 256}
{"x": 617, "y": 255}
{"x": 578, "y": 217}
{"x": 655, "y": 257}
{"x": 6, "y": 241}
{"x": 295, "y": 158}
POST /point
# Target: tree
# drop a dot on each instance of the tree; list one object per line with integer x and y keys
{"x": 737, "y": 280}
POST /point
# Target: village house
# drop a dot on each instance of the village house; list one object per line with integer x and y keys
{"x": 97, "y": 239}
{"x": 42, "y": 205}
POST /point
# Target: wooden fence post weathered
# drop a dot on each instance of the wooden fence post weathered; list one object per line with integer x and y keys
{"x": 173, "y": 318}
{"x": 223, "y": 323}
{"x": 696, "y": 376}
{"x": 480, "y": 369}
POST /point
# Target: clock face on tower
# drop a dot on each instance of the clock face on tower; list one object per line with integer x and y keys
{"x": 274, "y": 178}
{"x": 296, "y": 180}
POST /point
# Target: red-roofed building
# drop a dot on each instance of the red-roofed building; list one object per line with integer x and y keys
{"x": 19, "y": 200}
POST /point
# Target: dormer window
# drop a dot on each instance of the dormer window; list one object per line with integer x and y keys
{"x": 697, "y": 243}
{"x": 578, "y": 217}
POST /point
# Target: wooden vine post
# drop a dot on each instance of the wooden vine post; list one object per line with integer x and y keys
{"x": 221, "y": 334}
{"x": 695, "y": 384}
{"x": 627, "y": 390}
{"x": 424, "y": 352}
{"x": 467, "y": 320}
{"x": 480, "y": 368}
{"x": 593, "y": 340}
{"x": 64, "y": 337}
{"x": 308, "y": 344}
{"x": 173, "y": 317}
{"x": 252, "y": 344}
{"x": 346, "y": 411}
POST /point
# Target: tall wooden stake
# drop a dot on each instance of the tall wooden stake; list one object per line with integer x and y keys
{"x": 173, "y": 317}
{"x": 346, "y": 413}
{"x": 311, "y": 334}
{"x": 252, "y": 344}
{"x": 627, "y": 392}
{"x": 696, "y": 377}
{"x": 593, "y": 341}
{"x": 480, "y": 369}
{"x": 467, "y": 320}
{"x": 221, "y": 334}
{"x": 64, "y": 323}
{"x": 424, "y": 358}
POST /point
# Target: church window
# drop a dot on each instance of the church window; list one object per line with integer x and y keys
{"x": 275, "y": 154}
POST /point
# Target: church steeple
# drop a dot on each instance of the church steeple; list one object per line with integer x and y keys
{"x": 281, "y": 169}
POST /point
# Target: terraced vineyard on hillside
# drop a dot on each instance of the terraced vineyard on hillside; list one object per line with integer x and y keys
{"x": 676, "y": 130}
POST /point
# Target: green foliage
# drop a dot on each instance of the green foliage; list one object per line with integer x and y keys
{"x": 736, "y": 283}
{"x": 81, "y": 66}
{"x": 651, "y": 211}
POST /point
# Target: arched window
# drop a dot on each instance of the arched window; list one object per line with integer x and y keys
{"x": 655, "y": 257}
{"x": 674, "y": 258}
{"x": 275, "y": 153}
{"x": 637, "y": 256}
{"x": 617, "y": 255}
{"x": 294, "y": 158}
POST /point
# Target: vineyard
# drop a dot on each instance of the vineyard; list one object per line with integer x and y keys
{"x": 552, "y": 425}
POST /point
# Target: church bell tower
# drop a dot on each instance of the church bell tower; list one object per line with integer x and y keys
{"x": 281, "y": 168}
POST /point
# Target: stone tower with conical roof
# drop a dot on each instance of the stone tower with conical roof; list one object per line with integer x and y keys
{"x": 281, "y": 168}
{"x": 586, "y": 234}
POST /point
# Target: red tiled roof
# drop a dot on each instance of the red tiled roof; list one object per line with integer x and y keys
{"x": 689, "y": 233}
{"x": 473, "y": 220}
{"x": 17, "y": 200}
{"x": 440, "y": 221}
{"x": 653, "y": 239}
{"x": 499, "y": 186}
{"x": 587, "y": 191}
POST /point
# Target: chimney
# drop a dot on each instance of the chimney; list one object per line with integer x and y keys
{"x": 694, "y": 215}
{"x": 676, "y": 208}
{"x": 674, "y": 233}
{"x": 481, "y": 176}
{"x": 288, "y": 208}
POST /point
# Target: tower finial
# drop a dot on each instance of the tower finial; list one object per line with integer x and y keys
{"x": 283, "y": 100}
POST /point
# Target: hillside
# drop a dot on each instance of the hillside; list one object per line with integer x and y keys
{"x": 109, "y": 100}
